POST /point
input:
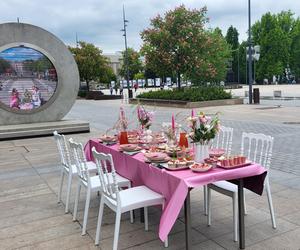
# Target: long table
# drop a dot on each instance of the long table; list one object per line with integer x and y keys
{"x": 175, "y": 186}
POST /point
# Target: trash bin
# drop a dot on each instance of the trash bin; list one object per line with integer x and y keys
{"x": 256, "y": 95}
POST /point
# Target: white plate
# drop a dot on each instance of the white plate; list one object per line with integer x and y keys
{"x": 201, "y": 169}
{"x": 165, "y": 165}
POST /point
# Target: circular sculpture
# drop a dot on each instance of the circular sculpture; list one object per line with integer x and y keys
{"x": 39, "y": 78}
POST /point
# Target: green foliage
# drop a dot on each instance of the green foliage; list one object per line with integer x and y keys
{"x": 4, "y": 65}
{"x": 139, "y": 75}
{"x": 295, "y": 48}
{"x": 277, "y": 36}
{"x": 190, "y": 94}
{"x": 82, "y": 93}
{"x": 91, "y": 63}
{"x": 179, "y": 43}
{"x": 134, "y": 63}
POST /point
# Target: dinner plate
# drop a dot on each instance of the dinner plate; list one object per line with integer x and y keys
{"x": 129, "y": 147}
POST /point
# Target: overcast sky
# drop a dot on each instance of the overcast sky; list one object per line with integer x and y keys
{"x": 99, "y": 21}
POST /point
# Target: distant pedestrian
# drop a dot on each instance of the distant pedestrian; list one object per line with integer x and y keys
{"x": 121, "y": 89}
{"x": 111, "y": 89}
{"x": 135, "y": 87}
{"x": 116, "y": 89}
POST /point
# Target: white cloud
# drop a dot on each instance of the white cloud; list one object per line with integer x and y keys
{"x": 100, "y": 21}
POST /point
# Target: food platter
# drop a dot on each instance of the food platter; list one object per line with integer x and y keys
{"x": 201, "y": 167}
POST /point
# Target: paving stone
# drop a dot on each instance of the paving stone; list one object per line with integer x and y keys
{"x": 257, "y": 233}
{"x": 286, "y": 241}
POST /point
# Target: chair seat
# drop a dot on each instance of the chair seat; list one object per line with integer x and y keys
{"x": 122, "y": 182}
{"x": 136, "y": 197}
{"x": 91, "y": 167}
{"x": 226, "y": 185}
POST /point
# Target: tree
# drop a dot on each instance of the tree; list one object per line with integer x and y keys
{"x": 295, "y": 49}
{"x": 92, "y": 65}
{"x": 272, "y": 33}
{"x": 232, "y": 38}
{"x": 134, "y": 63}
{"x": 178, "y": 43}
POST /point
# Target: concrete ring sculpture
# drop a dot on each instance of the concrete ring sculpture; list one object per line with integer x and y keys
{"x": 30, "y": 36}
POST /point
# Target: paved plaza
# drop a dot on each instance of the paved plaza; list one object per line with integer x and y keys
{"x": 29, "y": 176}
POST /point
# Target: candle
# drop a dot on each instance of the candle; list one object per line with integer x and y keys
{"x": 192, "y": 113}
{"x": 173, "y": 122}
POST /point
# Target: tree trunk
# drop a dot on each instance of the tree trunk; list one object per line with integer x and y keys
{"x": 178, "y": 80}
{"x": 87, "y": 85}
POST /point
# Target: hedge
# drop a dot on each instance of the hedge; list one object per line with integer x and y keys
{"x": 196, "y": 94}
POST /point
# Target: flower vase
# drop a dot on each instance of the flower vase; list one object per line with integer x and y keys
{"x": 201, "y": 152}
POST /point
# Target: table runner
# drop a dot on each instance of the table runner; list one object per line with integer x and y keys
{"x": 173, "y": 185}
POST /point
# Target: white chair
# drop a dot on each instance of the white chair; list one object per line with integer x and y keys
{"x": 222, "y": 140}
{"x": 67, "y": 168}
{"x": 90, "y": 183}
{"x": 258, "y": 148}
{"x": 121, "y": 201}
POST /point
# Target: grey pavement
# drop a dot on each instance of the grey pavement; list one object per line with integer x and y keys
{"x": 30, "y": 217}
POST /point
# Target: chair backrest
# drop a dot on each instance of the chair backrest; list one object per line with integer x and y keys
{"x": 80, "y": 160}
{"x": 257, "y": 148}
{"x": 109, "y": 185}
{"x": 224, "y": 139}
{"x": 63, "y": 149}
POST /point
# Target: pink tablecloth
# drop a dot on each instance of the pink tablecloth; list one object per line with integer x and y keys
{"x": 173, "y": 185}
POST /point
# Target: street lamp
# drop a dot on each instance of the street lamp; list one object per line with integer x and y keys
{"x": 126, "y": 53}
{"x": 250, "y": 52}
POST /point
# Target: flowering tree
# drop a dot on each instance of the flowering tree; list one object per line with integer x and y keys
{"x": 179, "y": 43}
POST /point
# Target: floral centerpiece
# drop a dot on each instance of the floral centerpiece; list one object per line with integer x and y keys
{"x": 145, "y": 117}
{"x": 203, "y": 130}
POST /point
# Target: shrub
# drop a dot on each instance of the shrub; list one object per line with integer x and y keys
{"x": 196, "y": 94}
{"x": 82, "y": 93}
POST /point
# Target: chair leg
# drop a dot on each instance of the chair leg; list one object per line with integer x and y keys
{"x": 146, "y": 218}
{"x": 271, "y": 204}
{"x": 205, "y": 199}
{"x": 76, "y": 201}
{"x": 68, "y": 192}
{"x": 166, "y": 243}
{"x": 100, "y": 215}
{"x": 61, "y": 185}
{"x": 208, "y": 206}
{"x": 235, "y": 217}
{"x": 117, "y": 229}
{"x": 86, "y": 210}
{"x": 131, "y": 212}
{"x": 245, "y": 209}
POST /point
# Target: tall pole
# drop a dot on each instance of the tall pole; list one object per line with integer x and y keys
{"x": 238, "y": 51}
{"x": 76, "y": 40}
{"x": 250, "y": 52}
{"x": 126, "y": 52}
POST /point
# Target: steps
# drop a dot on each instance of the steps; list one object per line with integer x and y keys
{"x": 42, "y": 129}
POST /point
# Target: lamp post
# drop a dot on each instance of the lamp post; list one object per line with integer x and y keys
{"x": 249, "y": 52}
{"x": 126, "y": 53}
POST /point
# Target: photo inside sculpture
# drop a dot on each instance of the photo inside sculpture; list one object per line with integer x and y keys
{"x": 28, "y": 79}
